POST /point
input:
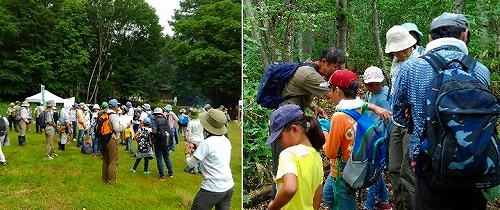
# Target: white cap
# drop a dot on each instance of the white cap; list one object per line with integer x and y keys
{"x": 373, "y": 74}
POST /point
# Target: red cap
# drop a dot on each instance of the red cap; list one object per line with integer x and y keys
{"x": 342, "y": 78}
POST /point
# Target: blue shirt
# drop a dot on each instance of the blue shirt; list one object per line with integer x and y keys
{"x": 412, "y": 87}
{"x": 380, "y": 99}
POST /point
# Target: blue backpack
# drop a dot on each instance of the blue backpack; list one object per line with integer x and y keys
{"x": 459, "y": 142}
{"x": 275, "y": 77}
{"x": 369, "y": 155}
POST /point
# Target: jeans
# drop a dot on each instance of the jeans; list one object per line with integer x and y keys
{"x": 95, "y": 140}
{"x": 176, "y": 139}
{"x": 80, "y": 138}
{"x": 162, "y": 154}
{"x": 378, "y": 190}
{"x": 135, "y": 127}
{"x": 130, "y": 147}
{"x": 146, "y": 163}
{"x": 347, "y": 200}
{"x": 74, "y": 129}
{"x": 205, "y": 199}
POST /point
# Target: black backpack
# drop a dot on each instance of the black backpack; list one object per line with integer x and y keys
{"x": 42, "y": 122}
{"x": 3, "y": 126}
{"x": 459, "y": 142}
{"x": 143, "y": 142}
{"x": 163, "y": 133}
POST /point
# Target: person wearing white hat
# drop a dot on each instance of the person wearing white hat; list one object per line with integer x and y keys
{"x": 66, "y": 128}
{"x": 38, "y": 111}
{"x": 11, "y": 113}
{"x": 145, "y": 113}
{"x": 214, "y": 155}
{"x": 161, "y": 147}
{"x": 93, "y": 121}
{"x": 173, "y": 119}
{"x": 81, "y": 123}
{"x": 23, "y": 123}
{"x": 50, "y": 129}
{"x": 399, "y": 45}
{"x": 377, "y": 94}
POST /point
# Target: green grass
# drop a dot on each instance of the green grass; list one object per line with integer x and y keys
{"x": 73, "y": 180}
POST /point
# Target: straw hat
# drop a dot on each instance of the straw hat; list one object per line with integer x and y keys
{"x": 193, "y": 114}
{"x": 25, "y": 103}
{"x": 214, "y": 121}
{"x": 398, "y": 38}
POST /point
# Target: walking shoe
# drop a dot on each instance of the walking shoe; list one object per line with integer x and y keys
{"x": 146, "y": 172}
{"x": 54, "y": 155}
{"x": 3, "y": 163}
{"x": 161, "y": 177}
{"x": 171, "y": 176}
{"x": 381, "y": 206}
{"x": 74, "y": 139}
{"x": 132, "y": 170}
{"x": 48, "y": 158}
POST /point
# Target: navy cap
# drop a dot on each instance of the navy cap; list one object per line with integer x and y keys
{"x": 280, "y": 118}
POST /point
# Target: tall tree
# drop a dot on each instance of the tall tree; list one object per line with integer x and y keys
{"x": 208, "y": 51}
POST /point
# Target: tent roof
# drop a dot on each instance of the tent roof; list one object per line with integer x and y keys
{"x": 48, "y": 96}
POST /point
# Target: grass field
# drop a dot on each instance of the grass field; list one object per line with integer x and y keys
{"x": 73, "y": 180}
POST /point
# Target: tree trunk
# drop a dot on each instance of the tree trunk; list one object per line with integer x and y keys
{"x": 269, "y": 24}
{"x": 341, "y": 25}
{"x": 458, "y": 6}
{"x": 289, "y": 31}
{"x": 376, "y": 35}
{"x": 254, "y": 28}
{"x": 259, "y": 195}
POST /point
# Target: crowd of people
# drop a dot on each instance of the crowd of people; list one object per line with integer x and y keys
{"x": 204, "y": 132}
{"x": 398, "y": 109}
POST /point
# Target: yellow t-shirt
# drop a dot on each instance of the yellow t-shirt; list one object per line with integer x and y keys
{"x": 305, "y": 162}
{"x": 128, "y": 132}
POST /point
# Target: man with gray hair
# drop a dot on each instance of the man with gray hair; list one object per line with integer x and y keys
{"x": 49, "y": 130}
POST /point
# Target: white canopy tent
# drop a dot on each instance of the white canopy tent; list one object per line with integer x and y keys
{"x": 48, "y": 96}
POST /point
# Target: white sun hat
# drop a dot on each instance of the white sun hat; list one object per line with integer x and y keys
{"x": 398, "y": 38}
{"x": 373, "y": 74}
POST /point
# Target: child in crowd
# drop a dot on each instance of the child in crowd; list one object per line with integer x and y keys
{"x": 144, "y": 146}
{"x": 300, "y": 170}
{"x": 378, "y": 196}
{"x": 339, "y": 142}
{"x": 128, "y": 139}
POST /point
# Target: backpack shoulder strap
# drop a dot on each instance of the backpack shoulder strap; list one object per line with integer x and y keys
{"x": 468, "y": 63}
{"x": 436, "y": 61}
{"x": 353, "y": 113}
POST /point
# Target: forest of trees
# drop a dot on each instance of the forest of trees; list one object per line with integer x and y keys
{"x": 295, "y": 30}
{"x": 96, "y": 49}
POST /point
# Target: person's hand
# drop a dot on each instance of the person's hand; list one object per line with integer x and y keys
{"x": 319, "y": 112}
{"x": 413, "y": 164}
{"x": 269, "y": 206}
{"x": 384, "y": 114}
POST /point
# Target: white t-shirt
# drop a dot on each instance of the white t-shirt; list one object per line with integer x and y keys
{"x": 214, "y": 154}
{"x": 194, "y": 130}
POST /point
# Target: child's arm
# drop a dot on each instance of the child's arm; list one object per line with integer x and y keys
{"x": 337, "y": 130}
{"x": 317, "y": 197}
{"x": 285, "y": 193}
